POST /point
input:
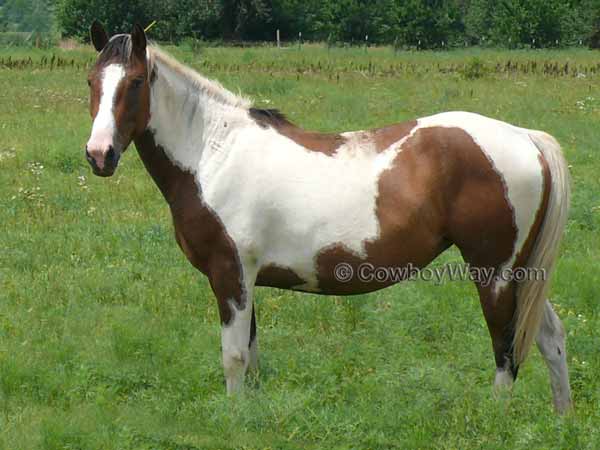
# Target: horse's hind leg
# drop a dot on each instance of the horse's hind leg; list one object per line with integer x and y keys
{"x": 551, "y": 343}
{"x": 498, "y": 310}
{"x": 550, "y": 340}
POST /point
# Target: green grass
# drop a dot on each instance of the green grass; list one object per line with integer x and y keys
{"x": 109, "y": 339}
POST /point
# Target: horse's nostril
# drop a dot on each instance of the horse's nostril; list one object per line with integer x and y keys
{"x": 110, "y": 155}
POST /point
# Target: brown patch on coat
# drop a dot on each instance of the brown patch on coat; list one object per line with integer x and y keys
{"x": 481, "y": 223}
{"x": 273, "y": 275}
{"x": 132, "y": 108}
{"x": 499, "y": 313}
{"x": 441, "y": 190}
{"x": 386, "y": 136}
{"x": 326, "y": 143}
{"x": 198, "y": 230}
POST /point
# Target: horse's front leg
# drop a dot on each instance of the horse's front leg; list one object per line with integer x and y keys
{"x": 233, "y": 288}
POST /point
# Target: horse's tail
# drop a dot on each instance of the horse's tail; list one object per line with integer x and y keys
{"x": 531, "y": 294}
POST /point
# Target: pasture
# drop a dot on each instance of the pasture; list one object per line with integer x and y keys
{"x": 109, "y": 339}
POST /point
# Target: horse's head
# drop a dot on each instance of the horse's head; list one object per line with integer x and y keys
{"x": 119, "y": 96}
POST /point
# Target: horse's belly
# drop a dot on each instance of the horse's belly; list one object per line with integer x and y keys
{"x": 337, "y": 270}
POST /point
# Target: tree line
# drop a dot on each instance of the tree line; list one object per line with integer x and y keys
{"x": 403, "y": 23}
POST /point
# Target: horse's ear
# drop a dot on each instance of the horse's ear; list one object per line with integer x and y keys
{"x": 138, "y": 39}
{"x": 99, "y": 36}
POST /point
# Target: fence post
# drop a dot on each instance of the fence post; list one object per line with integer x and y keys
{"x": 299, "y": 39}
{"x": 278, "y": 40}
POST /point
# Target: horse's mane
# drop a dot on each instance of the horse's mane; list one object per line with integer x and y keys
{"x": 214, "y": 89}
{"x": 269, "y": 117}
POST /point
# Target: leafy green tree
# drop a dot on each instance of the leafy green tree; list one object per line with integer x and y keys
{"x": 584, "y": 21}
{"x": 529, "y": 21}
{"x": 75, "y": 16}
{"x": 423, "y": 23}
{"x": 479, "y": 21}
{"x": 247, "y": 19}
{"x": 430, "y": 23}
{"x": 177, "y": 19}
{"x": 26, "y": 15}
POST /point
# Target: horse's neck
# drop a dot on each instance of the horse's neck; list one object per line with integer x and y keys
{"x": 189, "y": 120}
{"x": 188, "y": 125}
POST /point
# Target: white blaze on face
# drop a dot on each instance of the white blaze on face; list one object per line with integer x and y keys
{"x": 104, "y": 127}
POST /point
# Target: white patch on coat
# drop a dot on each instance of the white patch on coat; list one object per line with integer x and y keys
{"x": 503, "y": 379}
{"x": 291, "y": 203}
{"x": 104, "y": 127}
{"x": 235, "y": 337}
{"x": 515, "y": 159}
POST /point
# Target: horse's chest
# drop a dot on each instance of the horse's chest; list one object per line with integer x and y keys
{"x": 201, "y": 236}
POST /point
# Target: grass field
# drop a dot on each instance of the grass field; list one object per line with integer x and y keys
{"x": 109, "y": 339}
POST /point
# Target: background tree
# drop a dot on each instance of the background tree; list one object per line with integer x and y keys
{"x": 246, "y": 19}
{"x": 535, "y": 22}
{"x": 75, "y": 16}
{"x": 424, "y": 23}
{"x": 26, "y": 15}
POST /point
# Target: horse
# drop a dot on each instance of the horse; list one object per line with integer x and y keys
{"x": 258, "y": 201}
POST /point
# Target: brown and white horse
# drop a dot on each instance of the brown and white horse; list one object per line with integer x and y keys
{"x": 258, "y": 201}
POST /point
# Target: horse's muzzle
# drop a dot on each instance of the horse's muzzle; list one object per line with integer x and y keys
{"x": 103, "y": 163}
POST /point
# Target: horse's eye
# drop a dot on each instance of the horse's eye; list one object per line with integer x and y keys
{"x": 137, "y": 82}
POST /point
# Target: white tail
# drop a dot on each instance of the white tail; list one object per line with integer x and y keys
{"x": 531, "y": 294}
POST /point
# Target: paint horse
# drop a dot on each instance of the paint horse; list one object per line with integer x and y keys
{"x": 258, "y": 201}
